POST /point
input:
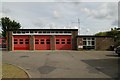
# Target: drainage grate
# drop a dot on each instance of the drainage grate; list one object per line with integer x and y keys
{"x": 24, "y": 56}
{"x": 46, "y": 69}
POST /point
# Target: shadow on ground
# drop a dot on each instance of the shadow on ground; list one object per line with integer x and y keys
{"x": 113, "y": 56}
{"x": 107, "y": 66}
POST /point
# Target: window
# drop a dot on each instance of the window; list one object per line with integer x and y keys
{"x": 40, "y": 32}
{"x": 44, "y": 31}
{"x": 27, "y": 32}
{"x": 84, "y": 38}
{"x": 63, "y": 41}
{"x": 57, "y": 41}
{"x": 26, "y": 41}
{"x": 48, "y": 31}
{"x": 52, "y": 31}
{"x": 56, "y": 32}
{"x": 35, "y": 31}
{"x": 93, "y": 42}
{"x": 23, "y": 32}
{"x": 18, "y": 32}
{"x": 88, "y": 43}
{"x": 69, "y": 32}
{"x": 15, "y": 41}
{"x": 21, "y": 41}
{"x": 68, "y": 41}
{"x": 36, "y": 41}
{"x": 48, "y": 41}
{"x": 84, "y": 42}
{"x": 31, "y": 31}
{"x": 65, "y": 32}
{"x": 42, "y": 41}
{"x": 60, "y": 32}
{"x": 14, "y": 32}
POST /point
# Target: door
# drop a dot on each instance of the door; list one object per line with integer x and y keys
{"x": 63, "y": 42}
{"x": 42, "y": 42}
{"x": 21, "y": 42}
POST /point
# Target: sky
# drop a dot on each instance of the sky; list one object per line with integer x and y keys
{"x": 94, "y": 16}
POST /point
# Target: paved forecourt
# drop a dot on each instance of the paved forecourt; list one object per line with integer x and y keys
{"x": 65, "y": 64}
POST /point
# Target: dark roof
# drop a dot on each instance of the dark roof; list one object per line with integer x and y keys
{"x": 93, "y": 36}
{"x": 44, "y": 30}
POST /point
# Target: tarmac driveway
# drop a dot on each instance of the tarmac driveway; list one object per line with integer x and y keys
{"x": 65, "y": 64}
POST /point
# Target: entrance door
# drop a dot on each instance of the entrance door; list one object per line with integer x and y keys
{"x": 63, "y": 42}
{"x": 42, "y": 42}
{"x": 21, "y": 42}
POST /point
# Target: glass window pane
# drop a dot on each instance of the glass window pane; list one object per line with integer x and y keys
{"x": 84, "y": 42}
{"x": 39, "y": 32}
{"x": 63, "y": 39}
{"x": 93, "y": 42}
{"x": 36, "y": 42}
{"x": 26, "y": 42}
{"x": 84, "y": 38}
{"x": 68, "y": 42}
{"x": 42, "y": 42}
{"x": 57, "y": 39}
{"x": 26, "y": 39}
{"x": 63, "y": 42}
{"x": 15, "y": 39}
{"x": 21, "y": 39}
{"x": 21, "y": 42}
{"x": 15, "y": 42}
{"x": 47, "y": 42}
{"x": 93, "y": 38}
{"x": 42, "y": 39}
{"x": 57, "y": 43}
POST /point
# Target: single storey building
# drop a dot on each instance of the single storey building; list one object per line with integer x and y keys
{"x": 54, "y": 39}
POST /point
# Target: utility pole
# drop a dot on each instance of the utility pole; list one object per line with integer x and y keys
{"x": 78, "y": 22}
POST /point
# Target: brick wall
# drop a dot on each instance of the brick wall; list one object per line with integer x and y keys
{"x": 74, "y": 40}
{"x": 103, "y": 43}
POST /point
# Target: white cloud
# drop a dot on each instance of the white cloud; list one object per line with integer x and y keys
{"x": 61, "y": 15}
{"x": 60, "y": 0}
{"x": 105, "y": 11}
{"x": 56, "y": 14}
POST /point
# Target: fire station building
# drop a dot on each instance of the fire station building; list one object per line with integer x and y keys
{"x": 54, "y": 39}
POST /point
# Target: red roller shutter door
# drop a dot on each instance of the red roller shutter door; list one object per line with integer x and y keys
{"x": 63, "y": 42}
{"x": 21, "y": 42}
{"x": 42, "y": 42}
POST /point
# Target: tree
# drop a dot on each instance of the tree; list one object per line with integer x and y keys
{"x": 8, "y": 24}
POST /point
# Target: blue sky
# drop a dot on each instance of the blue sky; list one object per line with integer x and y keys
{"x": 94, "y": 16}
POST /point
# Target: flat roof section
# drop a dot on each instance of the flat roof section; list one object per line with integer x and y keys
{"x": 44, "y": 30}
{"x": 93, "y": 36}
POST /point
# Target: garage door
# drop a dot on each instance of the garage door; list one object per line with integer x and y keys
{"x": 63, "y": 43}
{"x": 21, "y": 42}
{"x": 42, "y": 42}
